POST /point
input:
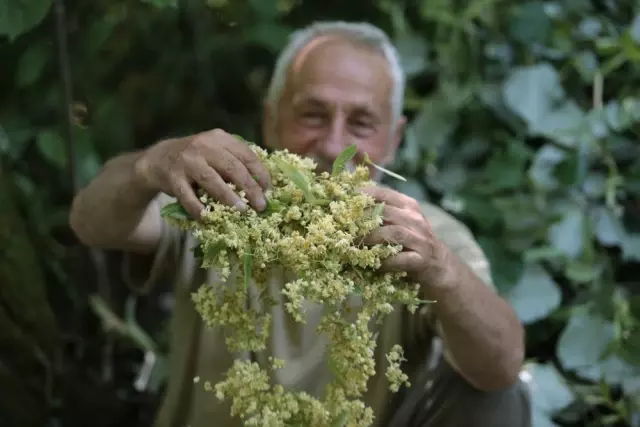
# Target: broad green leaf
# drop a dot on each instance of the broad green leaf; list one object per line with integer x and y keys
{"x": 434, "y": 124}
{"x": 345, "y": 157}
{"x": 248, "y": 265}
{"x": 19, "y": 16}
{"x": 631, "y": 247}
{"x": 52, "y": 148}
{"x": 31, "y": 64}
{"x": 299, "y": 179}
{"x": 536, "y": 95}
{"x": 584, "y": 339}
{"x": 541, "y": 171}
{"x": 535, "y": 295}
{"x": 609, "y": 229}
{"x": 567, "y": 235}
{"x": 529, "y": 23}
{"x": 412, "y": 50}
{"x": 549, "y": 390}
{"x": 175, "y": 210}
{"x": 506, "y": 267}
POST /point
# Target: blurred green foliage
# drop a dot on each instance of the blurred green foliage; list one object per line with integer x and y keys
{"x": 524, "y": 124}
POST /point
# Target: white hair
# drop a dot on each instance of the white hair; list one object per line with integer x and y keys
{"x": 364, "y": 33}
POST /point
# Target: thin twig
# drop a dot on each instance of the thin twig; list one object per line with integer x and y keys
{"x": 67, "y": 99}
{"x": 98, "y": 256}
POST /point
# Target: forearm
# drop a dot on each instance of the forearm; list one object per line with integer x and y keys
{"x": 480, "y": 330}
{"x": 110, "y": 210}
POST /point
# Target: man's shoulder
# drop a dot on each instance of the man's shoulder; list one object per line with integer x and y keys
{"x": 443, "y": 223}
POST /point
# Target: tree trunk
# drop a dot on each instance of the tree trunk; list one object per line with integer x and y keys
{"x": 29, "y": 337}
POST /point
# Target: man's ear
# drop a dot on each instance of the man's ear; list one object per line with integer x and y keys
{"x": 394, "y": 143}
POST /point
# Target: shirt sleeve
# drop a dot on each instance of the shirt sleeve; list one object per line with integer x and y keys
{"x": 141, "y": 272}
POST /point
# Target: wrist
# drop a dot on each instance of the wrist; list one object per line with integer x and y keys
{"x": 140, "y": 174}
{"x": 444, "y": 279}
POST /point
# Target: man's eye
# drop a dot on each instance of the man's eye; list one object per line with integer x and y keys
{"x": 312, "y": 117}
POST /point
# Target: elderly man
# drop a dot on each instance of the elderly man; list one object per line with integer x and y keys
{"x": 334, "y": 85}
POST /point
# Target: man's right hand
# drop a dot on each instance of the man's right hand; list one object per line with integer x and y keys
{"x": 208, "y": 160}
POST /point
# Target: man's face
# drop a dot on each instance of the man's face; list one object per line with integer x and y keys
{"x": 337, "y": 94}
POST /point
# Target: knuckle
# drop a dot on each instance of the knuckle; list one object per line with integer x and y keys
{"x": 218, "y": 133}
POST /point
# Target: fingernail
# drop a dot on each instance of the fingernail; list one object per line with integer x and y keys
{"x": 241, "y": 206}
{"x": 260, "y": 203}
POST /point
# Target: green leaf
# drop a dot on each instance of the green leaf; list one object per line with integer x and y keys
{"x": 270, "y": 35}
{"x": 345, "y": 157}
{"x": 19, "y": 16}
{"x": 536, "y": 95}
{"x": 248, "y": 264}
{"x": 341, "y": 421}
{"x": 584, "y": 339}
{"x": 31, "y": 64}
{"x": 567, "y": 235}
{"x": 542, "y": 253}
{"x": 266, "y": 10}
{"x": 413, "y": 53}
{"x": 541, "y": 171}
{"x": 549, "y": 390}
{"x": 582, "y": 272}
{"x": 535, "y": 296}
{"x": 529, "y": 23}
{"x": 52, "y": 148}
{"x": 299, "y": 179}
{"x": 273, "y": 206}
{"x": 175, "y": 210}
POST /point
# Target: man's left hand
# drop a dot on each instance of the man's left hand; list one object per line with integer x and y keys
{"x": 424, "y": 257}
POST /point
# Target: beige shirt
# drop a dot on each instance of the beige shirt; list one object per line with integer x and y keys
{"x": 197, "y": 351}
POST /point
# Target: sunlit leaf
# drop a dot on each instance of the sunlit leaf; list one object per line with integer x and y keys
{"x": 345, "y": 157}
{"x": 175, "y": 210}
{"x": 299, "y": 179}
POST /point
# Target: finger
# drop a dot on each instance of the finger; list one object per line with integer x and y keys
{"x": 393, "y": 234}
{"x": 187, "y": 197}
{"x": 233, "y": 170}
{"x": 404, "y": 261}
{"x": 395, "y": 216}
{"x": 389, "y": 196}
{"x": 213, "y": 184}
{"x": 252, "y": 162}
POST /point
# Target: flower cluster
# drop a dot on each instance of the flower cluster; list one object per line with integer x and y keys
{"x": 313, "y": 227}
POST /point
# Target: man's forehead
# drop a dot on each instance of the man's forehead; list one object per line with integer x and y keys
{"x": 331, "y": 63}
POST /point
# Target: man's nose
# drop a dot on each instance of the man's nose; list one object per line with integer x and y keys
{"x": 334, "y": 140}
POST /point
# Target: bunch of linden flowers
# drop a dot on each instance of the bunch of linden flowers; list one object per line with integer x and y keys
{"x": 313, "y": 227}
